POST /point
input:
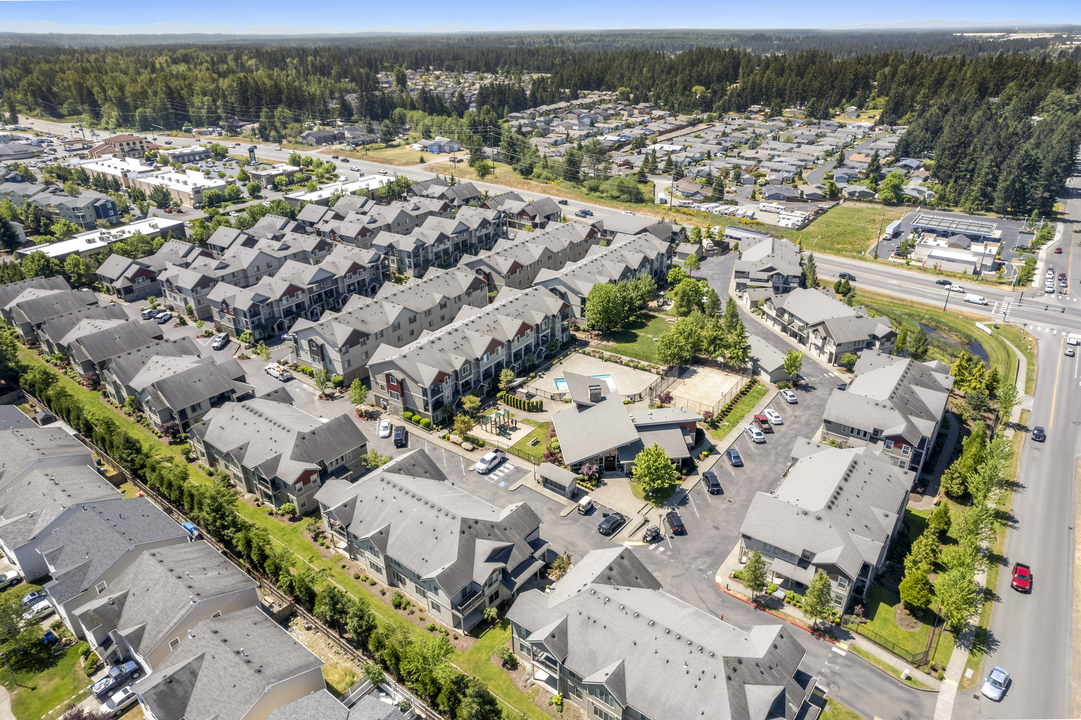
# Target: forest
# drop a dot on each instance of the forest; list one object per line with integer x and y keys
{"x": 1000, "y": 128}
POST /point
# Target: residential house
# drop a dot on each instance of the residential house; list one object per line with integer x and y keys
{"x": 516, "y": 263}
{"x": 83, "y": 211}
{"x": 91, "y": 343}
{"x": 827, "y": 327}
{"x": 54, "y": 329}
{"x": 428, "y": 375}
{"x": 607, "y": 638}
{"x": 836, "y": 511}
{"x": 42, "y": 499}
{"x": 612, "y": 225}
{"x": 599, "y": 430}
{"x": 768, "y": 261}
{"x": 521, "y": 213}
{"x": 277, "y": 451}
{"x": 322, "y": 137}
{"x": 147, "y": 607}
{"x": 685, "y": 250}
{"x": 344, "y": 342}
{"x": 626, "y": 258}
{"x": 459, "y": 195}
{"x": 122, "y": 369}
{"x": 780, "y": 193}
{"x": 442, "y": 145}
{"x": 767, "y": 361}
{"x": 263, "y": 669}
{"x": 451, "y": 553}
{"x": 95, "y": 543}
{"x": 182, "y": 389}
{"x": 323, "y": 705}
{"x": 34, "y": 305}
{"x": 894, "y": 406}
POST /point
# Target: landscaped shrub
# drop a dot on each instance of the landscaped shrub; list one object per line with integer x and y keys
{"x": 519, "y": 404}
{"x": 337, "y": 381}
{"x": 372, "y": 583}
{"x": 356, "y": 576}
{"x": 425, "y": 423}
{"x": 771, "y": 588}
{"x": 784, "y": 384}
{"x": 407, "y": 415}
{"x": 398, "y": 600}
{"x": 507, "y": 657}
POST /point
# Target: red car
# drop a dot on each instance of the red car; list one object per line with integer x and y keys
{"x": 1058, "y": 251}
{"x": 1022, "y": 578}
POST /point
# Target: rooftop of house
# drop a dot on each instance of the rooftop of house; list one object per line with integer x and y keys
{"x": 410, "y": 512}
{"x": 29, "y": 506}
{"x": 279, "y": 440}
{"x": 21, "y": 448}
{"x": 838, "y": 505}
{"x": 147, "y": 599}
{"x": 223, "y": 667}
{"x": 125, "y": 366}
{"x": 769, "y": 255}
{"x": 90, "y": 541}
{"x": 324, "y": 706}
{"x": 609, "y": 621}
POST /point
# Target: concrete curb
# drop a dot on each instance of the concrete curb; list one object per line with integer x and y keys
{"x": 891, "y": 677}
{"x": 779, "y": 616}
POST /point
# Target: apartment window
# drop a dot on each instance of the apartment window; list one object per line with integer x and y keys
{"x": 217, "y": 614}
{"x": 436, "y": 608}
{"x": 421, "y": 592}
{"x": 173, "y": 643}
{"x": 889, "y": 444}
{"x": 395, "y": 396}
{"x": 493, "y": 597}
{"x": 906, "y": 449}
{"x": 100, "y": 587}
{"x": 902, "y": 464}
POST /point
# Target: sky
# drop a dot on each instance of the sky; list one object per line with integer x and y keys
{"x": 286, "y": 15}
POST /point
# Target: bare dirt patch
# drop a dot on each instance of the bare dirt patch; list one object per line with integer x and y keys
{"x": 905, "y": 621}
{"x": 539, "y": 693}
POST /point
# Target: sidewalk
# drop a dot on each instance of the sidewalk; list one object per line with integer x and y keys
{"x": 935, "y": 480}
{"x": 956, "y": 667}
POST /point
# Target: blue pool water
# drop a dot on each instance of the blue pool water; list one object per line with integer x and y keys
{"x": 561, "y": 383}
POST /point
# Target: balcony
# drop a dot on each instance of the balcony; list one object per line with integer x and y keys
{"x": 470, "y": 602}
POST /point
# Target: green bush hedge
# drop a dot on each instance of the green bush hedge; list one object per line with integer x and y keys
{"x": 337, "y": 381}
{"x": 407, "y": 415}
{"x": 425, "y": 423}
{"x": 519, "y": 404}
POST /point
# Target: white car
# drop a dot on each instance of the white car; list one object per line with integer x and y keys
{"x": 275, "y": 370}
{"x": 40, "y": 609}
{"x": 119, "y": 702}
{"x": 975, "y": 300}
{"x": 11, "y": 577}
{"x": 1049, "y": 288}
{"x": 955, "y": 288}
{"x": 355, "y": 168}
{"x": 755, "y": 434}
{"x": 773, "y": 416}
{"x": 385, "y": 428}
{"x": 490, "y": 461}
{"x": 789, "y": 397}
{"x": 382, "y": 171}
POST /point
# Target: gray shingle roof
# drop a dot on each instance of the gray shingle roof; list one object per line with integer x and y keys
{"x": 322, "y": 706}
{"x": 102, "y": 344}
{"x": 92, "y": 538}
{"x": 841, "y": 505}
{"x": 281, "y": 440}
{"x": 149, "y": 597}
{"x": 20, "y": 448}
{"x": 10, "y": 291}
{"x": 35, "y": 305}
{"x": 432, "y": 527}
{"x": 29, "y": 506}
{"x": 229, "y": 664}
{"x": 609, "y": 621}
{"x": 127, "y": 365}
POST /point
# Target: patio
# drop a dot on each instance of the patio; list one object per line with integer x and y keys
{"x": 628, "y": 382}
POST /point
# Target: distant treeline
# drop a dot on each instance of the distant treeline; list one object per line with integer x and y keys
{"x": 972, "y": 116}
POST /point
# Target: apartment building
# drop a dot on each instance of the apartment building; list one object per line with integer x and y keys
{"x": 894, "y": 406}
{"x": 827, "y": 327}
{"x": 428, "y": 375}
{"x": 770, "y": 262}
{"x": 836, "y": 510}
{"x": 344, "y": 342}
{"x": 453, "y": 554}
{"x": 516, "y": 263}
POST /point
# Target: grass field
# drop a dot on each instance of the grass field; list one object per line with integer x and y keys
{"x": 848, "y": 230}
{"x": 397, "y": 156}
{"x": 833, "y": 710}
{"x": 476, "y": 662}
{"x": 48, "y": 685}
{"x": 636, "y": 340}
{"x": 739, "y": 413}
{"x": 535, "y": 452}
{"x": 881, "y": 605}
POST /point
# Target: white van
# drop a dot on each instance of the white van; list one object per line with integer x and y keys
{"x": 1073, "y": 339}
{"x": 975, "y": 300}
{"x": 585, "y": 505}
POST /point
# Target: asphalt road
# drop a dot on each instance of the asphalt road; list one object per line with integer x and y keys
{"x": 1032, "y": 635}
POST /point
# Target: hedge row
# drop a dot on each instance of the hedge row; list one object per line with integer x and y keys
{"x": 519, "y": 404}
{"x": 417, "y": 419}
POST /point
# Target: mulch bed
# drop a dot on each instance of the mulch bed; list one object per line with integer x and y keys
{"x": 538, "y": 692}
{"x": 906, "y": 622}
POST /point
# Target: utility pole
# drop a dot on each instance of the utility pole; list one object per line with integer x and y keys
{"x": 948, "y": 293}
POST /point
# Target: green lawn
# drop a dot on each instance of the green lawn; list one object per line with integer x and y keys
{"x": 636, "y": 340}
{"x": 887, "y": 668}
{"x": 658, "y": 498}
{"x": 960, "y": 326}
{"x": 535, "y": 452}
{"x": 46, "y": 683}
{"x": 836, "y": 710}
{"x": 847, "y": 230}
{"x": 739, "y": 412}
{"x": 476, "y": 662}
{"x": 944, "y": 649}
{"x": 879, "y": 611}
{"x": 1024, "y": 343}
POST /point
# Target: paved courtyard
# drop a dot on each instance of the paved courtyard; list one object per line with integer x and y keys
{"x": 628, "y": 382}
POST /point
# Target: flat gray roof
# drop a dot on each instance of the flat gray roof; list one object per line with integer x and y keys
{"x": 967, "y": 226}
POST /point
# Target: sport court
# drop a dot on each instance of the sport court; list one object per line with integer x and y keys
{"x": 701, "y": 388}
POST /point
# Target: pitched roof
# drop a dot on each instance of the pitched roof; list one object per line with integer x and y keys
{"x": 224, "y": 667}
{"x": 30, "y": 505}
{"x": 280, "y": 440}
{"x": 149, "y": 597}
{"x": 98, "y": 533}
{"x": 840, "y": 505}
{"x": 609, "y": 621}
{"x": 21, "y": 448}
{"x": 432, "y": 527}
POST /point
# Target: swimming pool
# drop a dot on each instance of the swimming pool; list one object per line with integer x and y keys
{"x": 561, "y": 383}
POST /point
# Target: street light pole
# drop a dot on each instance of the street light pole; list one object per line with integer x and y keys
{"x": 14, "y": 682}
{"x": 948, "y": 293}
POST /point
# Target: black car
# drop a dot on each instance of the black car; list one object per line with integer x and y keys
{"x": 673, "y": 521}
{"x": 562, "y": 202}
{"x": 611, "y": 523}
{"x": 713, "y": 485}
{"x": 653, "y": 534}
{"x": 580, "y": 213}
{"x": 1038, "y": 434}
{"x": 943, "y": 281}
{"x": 842, "y": 386}
{"x": 401, "y": 437}
{"x": 847, "y": 276}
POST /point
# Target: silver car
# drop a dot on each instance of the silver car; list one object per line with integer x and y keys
{"x": 755, "y": 434}
{"x": 995, "y": 685}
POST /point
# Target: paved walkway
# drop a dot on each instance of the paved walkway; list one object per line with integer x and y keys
{"x": 5, "y": 705}
{"x": 956, "y": 667}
